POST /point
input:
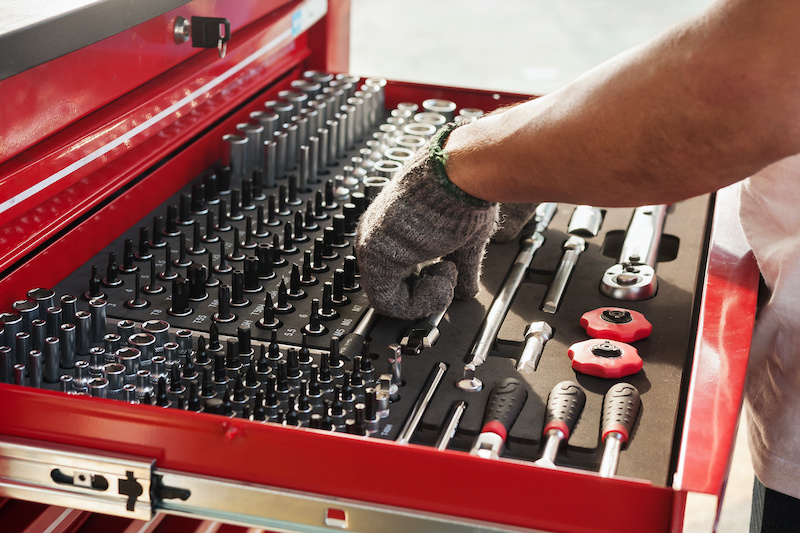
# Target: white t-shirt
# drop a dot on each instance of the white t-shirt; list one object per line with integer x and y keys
{"x": 769, "y": 209}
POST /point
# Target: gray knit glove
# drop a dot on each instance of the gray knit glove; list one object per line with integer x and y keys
{"x": 421, "y": 217}
{"x": 513, "y": 218}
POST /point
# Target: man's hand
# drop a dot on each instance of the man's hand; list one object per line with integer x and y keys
{"x": 422, "y": 220}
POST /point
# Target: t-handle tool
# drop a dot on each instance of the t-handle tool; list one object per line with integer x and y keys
{"x": 422, "y": 402}
{"x": 573, "y": 247}
{"x": 537, "y": 334}
{"x": 620, "y": 408}
{"x": 449, "y": 432}
{"x": 502, "y": 301}
{"x": 564, "y": 406}
{"x": 422, "y": 334}
{"x": 634, "y": 277}
{"x": 502, "y": 409}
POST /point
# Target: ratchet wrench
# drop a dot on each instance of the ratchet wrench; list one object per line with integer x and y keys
{"x": 634, "y": 276}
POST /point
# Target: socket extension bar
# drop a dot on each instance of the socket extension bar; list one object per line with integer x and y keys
{"x": 133, "y": 487}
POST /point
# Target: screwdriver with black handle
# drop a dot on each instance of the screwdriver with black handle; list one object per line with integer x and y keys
{"x": 621, "y": 407}
{"x": 564, "y": 406}
{"x": 505, "y": 403}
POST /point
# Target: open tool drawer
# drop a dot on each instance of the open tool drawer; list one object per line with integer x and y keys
{"x": 77, "y": 188}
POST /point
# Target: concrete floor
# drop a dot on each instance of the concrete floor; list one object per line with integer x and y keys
{"x": 531, "y": 47}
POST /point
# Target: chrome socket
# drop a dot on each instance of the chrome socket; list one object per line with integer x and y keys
{"x": 419, "y": 129}
{"x": 34, "y": 368}
{"x": 281, "y": 151}
{"x": 82, "y": 332}
{"x": 387, "y": 168}
{"x": 283, "y": 108}
{"x": 67, "y": 340}
{"x": 437, "y": 120}
{"x": 446, "y": 108}
{"x": 269, "y": 121}
{"x": 270, "y": 163}
{"x": 255, "y": 140}
{"x": 115, "y": 375}
{"x": 146, "y": 344}
{"x": 128, "y": 358}
{"x": 324, "y": 149}
{"x": 235, "y": 158}
{"x": 52, "y": 356}
{"x": 159, "y": 329}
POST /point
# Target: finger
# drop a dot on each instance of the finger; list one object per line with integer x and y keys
{"x": 513, "y": 218}
{"x": 397, "y": 294}
{"x": 468, "y": 262}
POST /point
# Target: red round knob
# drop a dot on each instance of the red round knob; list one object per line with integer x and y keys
{"x": 605, "y": 358}
{"x": 616, "y": 323}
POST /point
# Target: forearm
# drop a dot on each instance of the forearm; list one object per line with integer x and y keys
{"x": 704, "y": 105}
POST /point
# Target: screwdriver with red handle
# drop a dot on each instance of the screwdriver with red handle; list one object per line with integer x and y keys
{"x": 564, "y": 406}
{"x": 505, "y": 403}
{"x": 621, "y": 407}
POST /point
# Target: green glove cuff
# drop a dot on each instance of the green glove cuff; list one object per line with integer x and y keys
{"x": 439, "y": 162}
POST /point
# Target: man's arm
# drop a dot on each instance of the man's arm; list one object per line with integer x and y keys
{"x": 707, "y": 103}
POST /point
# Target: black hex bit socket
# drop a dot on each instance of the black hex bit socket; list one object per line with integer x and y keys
{"x": 171, "y": 223}
{"x": 180, "y": 298}
{"x": 283, "y": 208}
{"x": 185, "y": 211}
{"x": 198, "y": 201}
{"x": 223, "y": 267}
{"x": 264, "y": 256}
{"x": 314, "y": 326}
{"x": 197, "y": 247}
{"x": 247, "y": 196}
{"x": 272, "y": 211}
{"x": 211, "y": 281}
{"x": 288, "y": 247}
{"x": 209, "y": 235}
{"x": 277, "y": 259}
{"x": 158, "y": 232}
{"x": 137, "y": 302}
{"x": 295, "y": 290}
{"x": 211, "y": 183}
{"x": 236, "y": 254}
{"x": 238, "y": 298}
{"x": 224, "y": 314}
{"x": 252, "y": 284}
{"x": 196, "y": 276}
{"x": 261, "y": 230}
{"x": 235, "y": 212}
{"x": 307, "y": 277}
{"x": 154, "y": 287}
{"x": 283, "y": 305}
{"x": 182, "y": 260}
{"x": 222, "y": 217}
{"x": 310, "y": 223}
{"x": 167, "y": 274}
{"x": 299, "y": 227}
{"x": 128, "y": 266}
{"x": 143, "y": 249}
{"x": 112, "y": 279}
{"x": 339, "y": 297}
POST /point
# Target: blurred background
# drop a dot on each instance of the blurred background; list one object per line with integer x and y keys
{"x": 529, "y": 47}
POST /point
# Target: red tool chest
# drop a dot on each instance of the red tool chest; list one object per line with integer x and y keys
{"x": 97, "y": 141}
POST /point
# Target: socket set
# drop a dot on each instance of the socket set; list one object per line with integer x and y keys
{"x": 240, "y": 296}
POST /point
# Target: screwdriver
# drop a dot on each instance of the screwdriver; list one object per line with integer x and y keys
{"x": 564, "y": 406}
{"x": 620, "y": 408}
{"x": 502, "y": 409}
